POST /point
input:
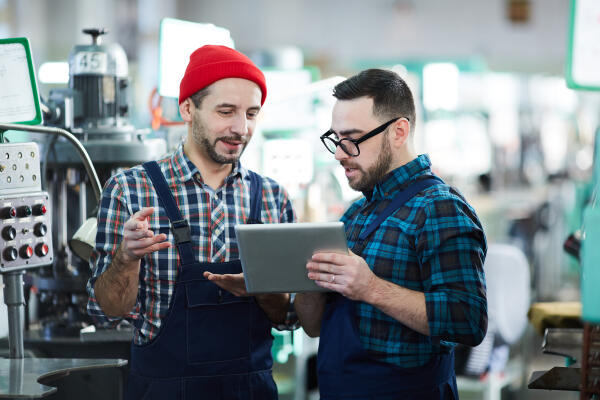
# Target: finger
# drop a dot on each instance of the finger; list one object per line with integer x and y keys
{"x": 331, "y": 258}
{"x": 316, "y": 276}
{"x": 331, "y": 286}
{"x": 141, "y": 252}
{"x": 134, "y": 224}
{"x": 138, "y": 234}
{"x": 322, "y": 267}
{"x": 144, "y": 213}
{"x": 146, "y": 242}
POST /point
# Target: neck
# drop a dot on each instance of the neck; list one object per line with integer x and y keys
{"x": 213, "y": 173}
{"x": 403, "y": 157}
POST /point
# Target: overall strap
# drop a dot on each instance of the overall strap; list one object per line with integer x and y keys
{"x": 179, "y": 226}
{"x": 255, "y": 198}
{"x": 399, "y": 200}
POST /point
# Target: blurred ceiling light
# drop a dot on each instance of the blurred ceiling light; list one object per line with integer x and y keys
{"x": 174, "y": 53}
{"x": 54, "y": 72}
{"x": 400, "y": 70}
{"x": 440, "y": 86}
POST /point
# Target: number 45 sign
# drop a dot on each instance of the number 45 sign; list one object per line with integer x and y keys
{"x": 583, "y": 58}
{"x": 89, "y": 62}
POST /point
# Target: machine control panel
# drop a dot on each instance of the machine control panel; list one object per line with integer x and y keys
{"x": 26, "y": 239}
{"x": 19, "y": 168}
{"x": 25, "y": 217}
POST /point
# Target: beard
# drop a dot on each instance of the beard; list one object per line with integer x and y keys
{"x": 375, "y": 173}
{"x": 200, "y": 136}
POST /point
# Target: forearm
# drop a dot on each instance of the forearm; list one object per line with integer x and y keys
{"x": 309, "y": 308}
{"x": 405, "y": 305}
{"x": 274, "y": 305}
{"x": 116, "y": 289}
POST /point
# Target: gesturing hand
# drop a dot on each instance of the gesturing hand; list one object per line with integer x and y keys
{"x": 347, "y": 274}
{"x": 138, "y": 240}
{"x": 233, "y": 283}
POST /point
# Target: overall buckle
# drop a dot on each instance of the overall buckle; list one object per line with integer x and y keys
{"x": 181, "y": 231}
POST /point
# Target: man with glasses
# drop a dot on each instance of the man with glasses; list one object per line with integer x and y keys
{"x": 412, "y": 285}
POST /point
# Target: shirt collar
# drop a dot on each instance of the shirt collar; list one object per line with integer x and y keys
{"x": 398, "y": 178}
{"x": 188, "y": 170}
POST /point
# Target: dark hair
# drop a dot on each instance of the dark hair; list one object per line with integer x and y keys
{"x": 391, "y": 95}
{"x": 199, "y": 96}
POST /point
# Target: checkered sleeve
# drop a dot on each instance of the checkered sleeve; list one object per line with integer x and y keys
{"x": 112, "y": 215}
{"x": 452, "y": 250}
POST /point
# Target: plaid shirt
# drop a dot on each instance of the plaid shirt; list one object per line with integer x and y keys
{"x": 433, "y": 244}
{"x": 213, "y": 236}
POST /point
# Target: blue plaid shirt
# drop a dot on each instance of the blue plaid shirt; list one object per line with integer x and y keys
{"x": 433, "y": 244}
{"x": 211, "y": 214}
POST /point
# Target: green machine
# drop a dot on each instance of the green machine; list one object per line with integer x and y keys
{"x": 583, "y": 73}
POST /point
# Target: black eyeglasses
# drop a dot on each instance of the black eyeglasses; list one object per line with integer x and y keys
{"x": 350, "y": 146}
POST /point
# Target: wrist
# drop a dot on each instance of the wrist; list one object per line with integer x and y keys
{"x": 125, "y": 263}
{"x": 372, "y": 289}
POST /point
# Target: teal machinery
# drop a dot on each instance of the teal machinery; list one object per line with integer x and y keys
{"x": 583, "y": 73}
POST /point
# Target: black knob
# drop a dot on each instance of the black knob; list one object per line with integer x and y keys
{"x": 9, "y": 233}
{"x": 41, "y": 249}
{"x": 40, "y": 209}
{"x": 96, "y": 33}
{"x": 10, "y": 254}
{"x": 40, "y": 229}
{"x": 24, "y": 211}
{"x": 9, "y": 212}
{"x": 26, "y": 251}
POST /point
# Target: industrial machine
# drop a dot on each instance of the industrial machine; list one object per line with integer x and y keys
{"x": 26, "y": 240}
{"x": 95, "y": 109}
{"x": 581, "y": 346}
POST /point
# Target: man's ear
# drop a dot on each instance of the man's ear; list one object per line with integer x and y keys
{"x": 186, "y": 109}
{"x": 400, "y": 132}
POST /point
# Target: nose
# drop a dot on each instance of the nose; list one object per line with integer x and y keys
{"x": 340, "y": 154}
{"x": 241, "y": 125}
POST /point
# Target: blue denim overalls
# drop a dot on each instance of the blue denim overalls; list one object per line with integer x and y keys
{"x": 347, "y": 371}
{"x": 212, "y": 344}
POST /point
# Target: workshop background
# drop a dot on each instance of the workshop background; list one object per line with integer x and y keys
{"x": 503, "y": 111}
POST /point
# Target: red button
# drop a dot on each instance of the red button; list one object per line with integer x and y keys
{"x": 26, "y": 251}
{"x": 40, "y": 209}
{"x": 41, "y": 249}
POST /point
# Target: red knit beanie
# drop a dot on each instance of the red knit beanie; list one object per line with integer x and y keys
{"x": 211, "y": 63}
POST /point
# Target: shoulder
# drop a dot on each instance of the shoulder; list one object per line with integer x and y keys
{"x": 269, "y": 185}
{"x": 353, "y": 209}
{"x": 445, "y": 203}
{"x": 137, "y": 176}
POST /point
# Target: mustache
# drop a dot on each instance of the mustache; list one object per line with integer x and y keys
{"x": 349, "y": 165}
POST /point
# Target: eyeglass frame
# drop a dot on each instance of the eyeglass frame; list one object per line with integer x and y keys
{"x": 356, "y": 142}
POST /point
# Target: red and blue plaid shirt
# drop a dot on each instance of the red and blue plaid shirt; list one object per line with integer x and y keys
{"x": 211, "y": 214}
{"x": 434, "y": 244}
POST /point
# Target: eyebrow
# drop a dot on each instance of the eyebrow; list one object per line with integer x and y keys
{"x": 228, "y": 105}
{"x": 347, "y": 132}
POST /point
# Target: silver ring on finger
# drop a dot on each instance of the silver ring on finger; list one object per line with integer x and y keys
{"x": 332, "y": 278}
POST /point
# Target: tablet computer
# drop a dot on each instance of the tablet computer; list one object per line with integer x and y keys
{"x": 274, "y": 256}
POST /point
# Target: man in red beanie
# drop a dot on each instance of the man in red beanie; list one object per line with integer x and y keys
{"x": 166, "y": 255}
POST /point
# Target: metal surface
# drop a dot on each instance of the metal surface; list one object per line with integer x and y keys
{"x": 29, "y": 377}
{"x": 19, "y": 168}
{"x": 558, "y": 378}
{"x": 563, "y": 342}
{"x": 15, "y": 302}
{"x": 87, "y": 162}
{"x": 114, "y": 152}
